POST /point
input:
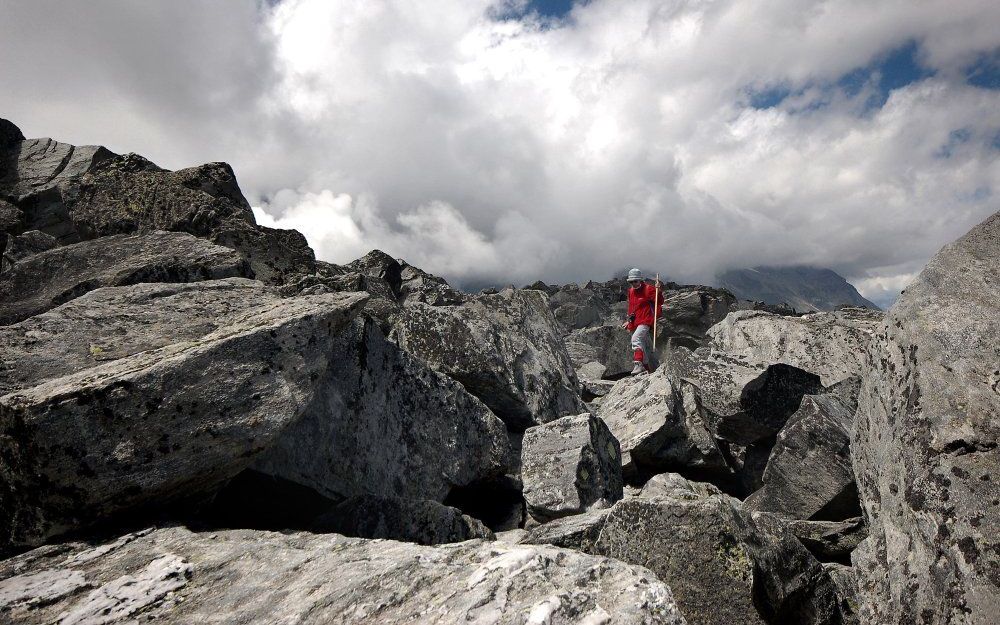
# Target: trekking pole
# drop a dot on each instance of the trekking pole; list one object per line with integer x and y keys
{"x": 656, "y": 309}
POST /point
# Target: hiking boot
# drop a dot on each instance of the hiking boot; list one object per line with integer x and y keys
{"x": 638, "y": 368}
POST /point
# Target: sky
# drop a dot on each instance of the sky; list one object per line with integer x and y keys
{"x": 504, "y": 141}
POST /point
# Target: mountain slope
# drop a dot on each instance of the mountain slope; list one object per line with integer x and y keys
{"x": 805, "y": 288}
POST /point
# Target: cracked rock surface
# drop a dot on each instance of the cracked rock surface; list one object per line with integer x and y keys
{"x": 242, "y": 576}
{"x": 926, "y": 448}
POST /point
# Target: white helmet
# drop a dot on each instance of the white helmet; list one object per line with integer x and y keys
{"x": 634, "y": 274}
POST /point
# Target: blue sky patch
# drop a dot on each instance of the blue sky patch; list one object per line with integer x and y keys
{"x": 985, "y": 72}
{"x": 893, "y": 70}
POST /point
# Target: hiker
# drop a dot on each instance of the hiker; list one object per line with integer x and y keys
{"x": 641, "y": 312}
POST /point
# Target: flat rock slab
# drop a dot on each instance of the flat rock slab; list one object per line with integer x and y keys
{"x": 830, "y": 344}
{"x": 85, "y": 438}
{"x": 45, "y": 280}
{"x": 809, "y": 474}
{"x": 570, "y": 465}
{"x": 244, "y": 576}
{"x": 385, "y": 424}
{"x": 926, "y": 447}
{"x": 661, "y": 425}
{"x": 422, "y": 521}
{"x": 505, "y": 348}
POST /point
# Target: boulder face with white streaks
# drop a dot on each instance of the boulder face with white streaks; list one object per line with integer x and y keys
{"x": 242, "y": 576}
{"x": 94, "y": 423}
{"x": 926, "y": 447}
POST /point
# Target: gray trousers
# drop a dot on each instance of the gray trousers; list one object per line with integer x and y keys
{"x": 642, "y": 339}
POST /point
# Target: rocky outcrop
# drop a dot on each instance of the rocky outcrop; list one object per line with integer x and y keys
{"x": 505, "y": 349}
{"x": 926, "y": 448}
{"x": 81, "y": 193}
{"x": 243, "y": 576}
{"x": 662, "y": 426}
{"x": 830, "y": 344}
{"x": 809, "y": 474}
{"x": 410, "y": 520}
{"x": 45, "y": 280}
{"x": 570, "y": 465}
{"x": 168, "y": 411}
{"x": 407, "y": 284}
{"x": 385, "y": 424}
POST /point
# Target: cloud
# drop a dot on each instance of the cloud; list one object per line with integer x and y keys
{"x": 505, "y": 150}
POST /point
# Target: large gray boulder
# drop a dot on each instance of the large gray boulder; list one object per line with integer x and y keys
{"x": 925, "y": 444}
{"x": 721, "y": 565}
{"x": 420, "y": 521}
{"x": 243, "y": 576}
{"x": 570, "y": 465}
{"x": 809, "y": 474}
{"x": 689, "y": 313}
{"x": 385, "y": 424}
{"x": 505, "y": 348}
{"x": 662, "y": 426}
{"x": 48, "y": 279}
{"x": 607, "y": 345}
{"x": 140, "y": 396}
{"x": 829, "y": 344}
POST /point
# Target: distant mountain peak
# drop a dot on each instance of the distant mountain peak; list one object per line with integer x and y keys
{"x": 800, "y": 286}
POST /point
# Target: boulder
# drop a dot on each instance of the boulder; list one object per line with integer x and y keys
{"x": 688, "y": 314}
{"x": 794, "y": 585}
{"x": 829, "y": 344}
{"x": 173, "y": 575}
{"x": 809, "y": 474}
{"x": 579, "y": 531}
{"x": 576, "y": 308}
{"x": 25, "y": 245}
{"x": 673, "y": 485}
{"x": 570, "y": 465}
{"x": 505, "y": 349}
{"x": 48, "y": 279}
{"x": 846, "y": 581}
{"x": 608, "y": 345}
{"x": 195, "y": 381}
{"x": 385, "y": 424}
{"x": 662, "y": 426}
{"x": 721, "y": 566}
{"x": 10, "y": 134}
{"x": 416, "y": 521}
{"x": 407, "y": 284}
{"x": 830, "y": 540}
{"x": 925, "y": 445}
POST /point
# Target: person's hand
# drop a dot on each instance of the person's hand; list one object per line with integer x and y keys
{"x": 625, "y": 324}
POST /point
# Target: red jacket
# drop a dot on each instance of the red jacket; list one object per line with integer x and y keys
{"x": 640, "y": 304}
